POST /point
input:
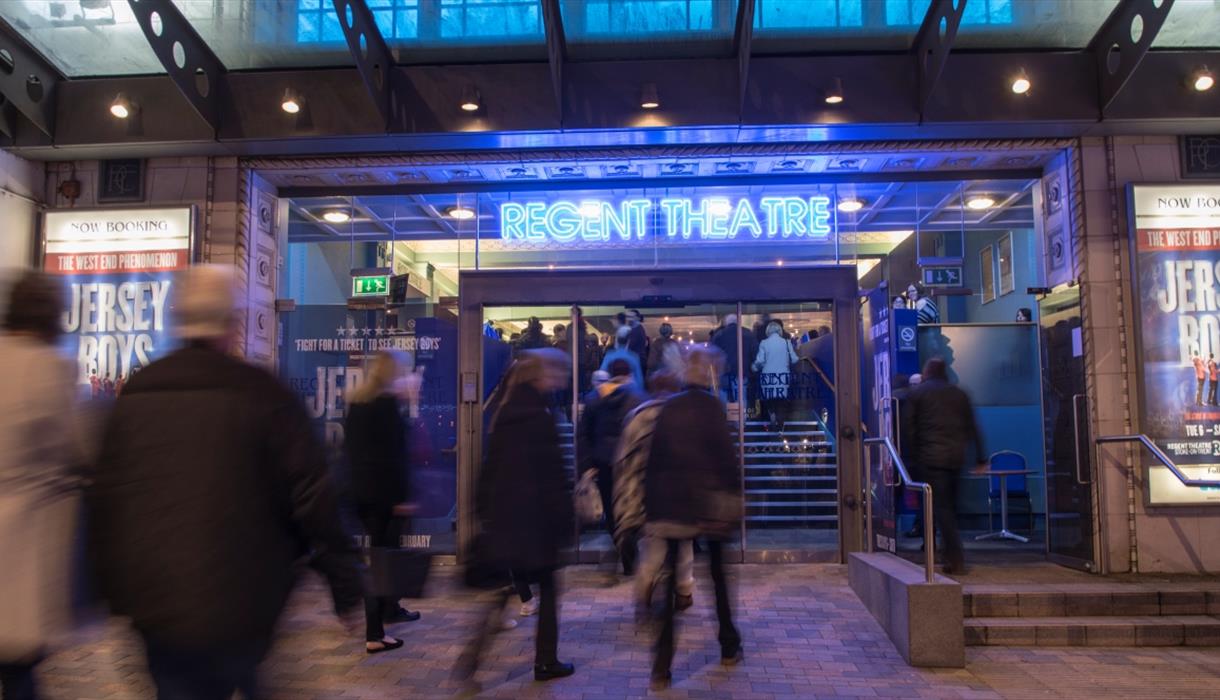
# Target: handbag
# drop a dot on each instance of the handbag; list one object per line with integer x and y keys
{"x": 398, "y": 573}
{"x": 587, "y": 498}
{"x": 482, "y": 571}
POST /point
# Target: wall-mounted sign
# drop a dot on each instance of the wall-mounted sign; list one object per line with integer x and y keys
{"x": 119, "y": 268}
{"x": 1200, "y": 156}
{"x": 1175, "y": 231}
{"x": 947, "y": 276}
{"x": 678, "y": 218}
{"x": 121, "y": 180}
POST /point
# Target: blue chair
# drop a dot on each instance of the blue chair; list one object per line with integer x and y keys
{"x": 1008, "y": 460}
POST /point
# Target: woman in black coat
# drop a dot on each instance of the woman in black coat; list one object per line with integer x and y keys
{"x": 523, "y": 504}
{"x": 375, "y": 436}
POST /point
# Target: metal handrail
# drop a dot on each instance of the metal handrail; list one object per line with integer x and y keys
{"x": 929, "y": 536}
{"x": 1162, "y": 458}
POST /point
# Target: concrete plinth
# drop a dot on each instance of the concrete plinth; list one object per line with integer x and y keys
{"x": 923, "y": 620}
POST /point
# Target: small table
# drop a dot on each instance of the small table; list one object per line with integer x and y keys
{"x": 1004, "y": 533}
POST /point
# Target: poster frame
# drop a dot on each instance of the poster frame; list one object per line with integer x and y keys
{"x": 192, "y": 239}
{"x": 1145, "y": 465}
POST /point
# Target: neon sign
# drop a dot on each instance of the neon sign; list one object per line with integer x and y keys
{"x": 672, "y": 218}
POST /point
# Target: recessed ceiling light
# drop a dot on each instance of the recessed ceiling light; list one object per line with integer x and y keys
{"x": 780, "y": 262}
{"x": 121, "y": 108}
{"x": 460, "y": 213}
{"x": 336, "y": 216}
{"x": 291, "y": 102}
{"x": 648, "y": 96}
{"x": 720, "y": 207}
{"x": 834, "y": 95}
{"x": 590, "y": 210}
{"x": 471, "y": 100}
{"x": 1203, "y": 80}
{"x": 980, "y": 202}
{"x": 1021, "y": 84}
{"x": 850, "y": 205}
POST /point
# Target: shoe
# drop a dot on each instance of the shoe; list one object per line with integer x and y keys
{"x": 660, "y": 682}
{"x": 731, "y": 657}
{"x": 385, "y": 646}
{"x": 401, "y": 615}
{"x": 682, "y": 602}
{"x": 529, "y": 607}
{"x": 551, "y": 671}
{"x": 507, "y": 624}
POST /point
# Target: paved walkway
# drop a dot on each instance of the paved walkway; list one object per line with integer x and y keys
{"x": 807, "y": 636}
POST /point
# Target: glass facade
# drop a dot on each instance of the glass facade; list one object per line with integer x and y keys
{"x": 789, "y": 456}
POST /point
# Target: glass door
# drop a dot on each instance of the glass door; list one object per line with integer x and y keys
{"x": 790, "y": 457}
{"x": 1070, "y": 526}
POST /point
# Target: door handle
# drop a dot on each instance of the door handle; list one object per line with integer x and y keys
{"x": 850, "y": 501}
{"x": 1076, "y": 436}
{"x": 847, "y": 432}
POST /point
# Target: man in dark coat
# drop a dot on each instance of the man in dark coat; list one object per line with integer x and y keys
{"x": 726, "y": 341}
{"x": 692, "y": 488}
{"x": 523, "y": 504}
{"x": 209, "y": 489}
{"x": 940, "y": 429}
{"x": 601, "y": 427}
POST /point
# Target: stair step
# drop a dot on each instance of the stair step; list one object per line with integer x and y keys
{"x": 1088, "y": 600}
{"x": 1138, "y": 630}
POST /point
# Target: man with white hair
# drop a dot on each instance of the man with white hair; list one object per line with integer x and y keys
{"x": 210, "y": 489}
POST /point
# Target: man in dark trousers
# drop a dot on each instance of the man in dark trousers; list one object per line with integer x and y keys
{"x": 941, "y": 427}
{"x": 726, "y": 340}
{"x": 601, "y": 427}
{"x": 209, "y": 490}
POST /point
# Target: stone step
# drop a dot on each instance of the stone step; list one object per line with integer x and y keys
{"x": 1087, "y": 600}
{"x": 1115, "y": 631}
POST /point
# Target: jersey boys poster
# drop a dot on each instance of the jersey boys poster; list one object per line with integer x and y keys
{"x": 118, "y": 269}
{"x": 1177, "y": 273}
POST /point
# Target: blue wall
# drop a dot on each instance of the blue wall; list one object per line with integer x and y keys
{"x": 1024, "y": 270}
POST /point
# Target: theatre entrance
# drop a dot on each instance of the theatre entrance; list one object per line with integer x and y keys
{"x": 793, "y": 422}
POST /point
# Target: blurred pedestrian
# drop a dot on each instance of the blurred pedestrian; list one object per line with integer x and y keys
{"x": 524, "y": 507}
{"x": 210, "y": 488}
{"x": 376, "y": 436}
{"x": 533, "y": 337}
{"x": 726, "y": 340}
{"x": 39, "y": 483}
{"x": 664, "y": 345}
{"x": 601, "y": 426}
{"x": 622, "y": 352}
{"x": 941, "y": 430}
{"x": 630, "y": 466}
{"x": 692, "y": 488}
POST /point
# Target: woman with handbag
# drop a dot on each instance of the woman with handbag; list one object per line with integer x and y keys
{"x": 524, "y": 508}
{"x": 375, "y": 436}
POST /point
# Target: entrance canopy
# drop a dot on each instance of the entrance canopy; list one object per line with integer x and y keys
{"x": 108, "y": 77}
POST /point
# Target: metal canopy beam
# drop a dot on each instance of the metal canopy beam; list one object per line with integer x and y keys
{"x": 933, "y": 43}
{"x": 743, "y": 39}
{"x": 189, "y": 61}
{"x": 27, "y": 82}
{"x": 556, "y": 49}
{"x": 1123, "y": 41}
{"x": 398, "y": 103}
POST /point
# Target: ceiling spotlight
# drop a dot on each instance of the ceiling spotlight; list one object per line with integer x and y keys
{"x": 1202, "y": 80}
{"x": 850, "y": 205}
{"x": 590, "y": 210}
{"x": 648, "y": 96}
{"x": 1021, "y": 83}
{"x": 471, "y": 100}
{"x": 291, "y": 103}
{"x": 122, "y": 107}
{"x": 720, "y": 207}
{"x": 980, "y": 202}
{"x": 336, "y": 216}
{"x": 460, "y": 213}
{"x": 834, "y": 95}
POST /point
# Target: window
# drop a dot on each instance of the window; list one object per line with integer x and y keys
{"x": 987, "y": 273}
{"x": 1006, "y": 276}
{"x": 802, "y": 14}
{"x": 407, "y": 20}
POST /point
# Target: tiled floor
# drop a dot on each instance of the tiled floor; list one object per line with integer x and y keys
{"x": 807, "y": 636}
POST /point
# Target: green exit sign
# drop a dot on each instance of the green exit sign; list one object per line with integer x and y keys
{"x": 371, "y": 286}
